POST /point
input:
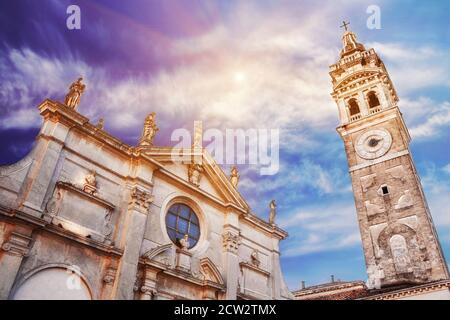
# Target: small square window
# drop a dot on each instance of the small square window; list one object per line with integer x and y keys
{"x": 384, "y": 190}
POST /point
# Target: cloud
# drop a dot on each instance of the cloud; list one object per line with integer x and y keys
{"x": 321, "y": 228}
{"x": 434, "y": 123}
{"x": 414, "y": 67}
{"x": 437, "y": 191}
{"x": 21, "y": 119}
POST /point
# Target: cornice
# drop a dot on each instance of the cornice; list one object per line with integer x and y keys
{"x": 412, "y": 291}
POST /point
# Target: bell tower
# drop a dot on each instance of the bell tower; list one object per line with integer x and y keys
{"x": 398, "y": 235}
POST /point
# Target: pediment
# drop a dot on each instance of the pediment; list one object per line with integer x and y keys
{"x": 213, "y": 179}
{"x": 355, "y": 77}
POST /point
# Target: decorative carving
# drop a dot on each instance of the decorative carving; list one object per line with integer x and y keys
{"x": 194, "y": 173}
{"x": 231, "y": 242}
{"x": 399, "y": 251}
{"x": 367, "y": 182}
{"x": 234, "y": 176}
{"x": 373, "y": 209}
{"x": 255, "y": 258}
{"x": 110, "y": 276}
{"x": 149, "y": 291}
{"x": 73, "y": 97}
{"x": 140, "y": 199}
{"x": 397, "y": 173}
{"x": 273, "y": 212}
{"x": 17, "y": 245}
{"x": 90, "y": 183}
{"x": 107, "y": 226}
{"x": 405, "y": 201}
{"x": 149, "y": 131}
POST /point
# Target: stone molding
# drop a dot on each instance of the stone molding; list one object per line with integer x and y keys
{"x": 409, "y": 292}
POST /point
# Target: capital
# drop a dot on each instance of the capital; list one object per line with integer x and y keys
{"x": 140, "y": 200}
{"x": 17, "y": 245}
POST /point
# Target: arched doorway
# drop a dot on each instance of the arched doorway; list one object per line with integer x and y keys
{"x": 53, "y": 284}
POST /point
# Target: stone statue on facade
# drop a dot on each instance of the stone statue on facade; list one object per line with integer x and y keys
{"x": 90, "y": 183}
{"x": 255, "y": 258}
{"x": 149, "y": 131}
{"x": 194, "y": 173}
{"x": 100, "y": 124}
{"x": 273, "y": 211}
{"x": 75, "y": 91}
{"x": 184, "y": 242}
{"x": 234, "y": 176}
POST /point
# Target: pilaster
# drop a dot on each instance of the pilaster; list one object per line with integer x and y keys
{"x": 14, "y": 250}
{"x": 132, "y": 237}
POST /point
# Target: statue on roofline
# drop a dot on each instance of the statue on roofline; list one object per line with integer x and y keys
{"x": 75, "y": 91}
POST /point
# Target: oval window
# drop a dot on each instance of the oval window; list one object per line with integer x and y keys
{"x": 181, "y": 220}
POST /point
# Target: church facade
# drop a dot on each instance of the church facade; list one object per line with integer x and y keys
{"x": 86, "y": 216}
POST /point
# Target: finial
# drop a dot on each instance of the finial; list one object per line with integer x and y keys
{"x": 344, "y": 25}
{"x": 75, "y": 91}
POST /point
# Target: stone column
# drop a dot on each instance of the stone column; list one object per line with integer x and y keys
{"x": 231, "y": 241}
{"x": 131, "y": 241}
{"x": 149, "y": 289}
{"x": 363, "y": 107}
{"x": 15, "y": 249}
{"x": 382, "y": 96}
{"x": 343, "y": 112}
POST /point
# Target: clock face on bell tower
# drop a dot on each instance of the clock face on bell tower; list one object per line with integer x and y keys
{"x": 399, "y": 239}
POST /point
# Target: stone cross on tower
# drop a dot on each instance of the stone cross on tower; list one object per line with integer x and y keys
{"x": 344, "y": 25}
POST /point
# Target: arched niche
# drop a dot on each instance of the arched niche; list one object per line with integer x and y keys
{"x": 53, "y": 283}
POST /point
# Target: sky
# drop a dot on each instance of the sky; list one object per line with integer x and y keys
{"x": 240, "y": 64}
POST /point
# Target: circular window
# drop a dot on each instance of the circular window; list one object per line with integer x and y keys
{"x": 180, "y": 221}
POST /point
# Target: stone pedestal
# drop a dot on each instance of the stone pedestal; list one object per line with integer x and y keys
{"x": 183, "y": 260}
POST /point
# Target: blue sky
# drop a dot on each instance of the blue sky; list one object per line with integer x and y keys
{"x": 178, "y": 58}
